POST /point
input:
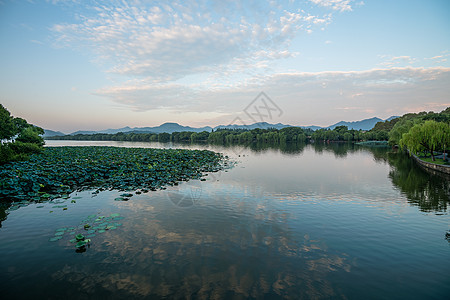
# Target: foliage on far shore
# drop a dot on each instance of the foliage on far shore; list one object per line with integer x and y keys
{"x": 18, "y": 138}
{"x": 58, "y": 171}
{"x": 219, "y": 136}
{"x": 237, "y": 136}
{"x": 391, "y": 130}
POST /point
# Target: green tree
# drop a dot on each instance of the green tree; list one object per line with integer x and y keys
{"x": 31, "y": 134}
{"x": 18, "y": 138}
{"x": 7, "y": 125}
{"x": 400, "y": 128}
{"x": 430, "y": 136}
{"x": 164, "y": 137}
{"x": 348, "y": 137}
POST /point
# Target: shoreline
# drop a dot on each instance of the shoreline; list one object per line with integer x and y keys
{"x": 434, "y": 168}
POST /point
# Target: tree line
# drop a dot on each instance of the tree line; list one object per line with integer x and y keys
{"x": 218, "y": 136}
{"x": 424, "y": 131}
{"x": 238, "y": 136}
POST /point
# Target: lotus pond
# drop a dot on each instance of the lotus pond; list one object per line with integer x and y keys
{"x": 58, "y": 171}
{"x": 296, "y": 221}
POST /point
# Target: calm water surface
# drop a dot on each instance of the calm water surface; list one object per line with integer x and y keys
{"x": 315, "y": 221}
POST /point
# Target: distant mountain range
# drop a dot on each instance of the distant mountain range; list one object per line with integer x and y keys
{"x": 48, "y": 132}
{"x": 366, "y": 124}
{"x": 166, "y": 127}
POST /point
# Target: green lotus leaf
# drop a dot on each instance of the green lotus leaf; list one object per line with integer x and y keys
{"x": 79, "y": 237}
{"x": 81, "y": 244}
{"x": 55, "y": 238}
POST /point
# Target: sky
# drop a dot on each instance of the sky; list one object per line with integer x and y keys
{"x": 72, "y": 65}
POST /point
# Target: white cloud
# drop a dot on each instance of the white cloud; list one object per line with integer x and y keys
{"x": 439, "y": 59}
{"x": 340, "y": 5}
{"x": 175, "y": 39}
{"x": 213, "y": 57}
{"x": 397, "y": 61}
{"x": 302, "y": 95}
{"x": 36, "y": 42}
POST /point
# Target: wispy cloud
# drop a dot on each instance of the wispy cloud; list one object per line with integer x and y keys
{"x": 300, "y": 94}
{"x": 397, "y": 61}
{"x": 169, "y": 40}
{"x": 438, "y": 59}
{"x": 210, "y": 57}
{"x": 340, "y": 5}
{"x": 36, "y": 42}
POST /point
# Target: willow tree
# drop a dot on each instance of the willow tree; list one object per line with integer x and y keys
{"x": 429, "y": 136}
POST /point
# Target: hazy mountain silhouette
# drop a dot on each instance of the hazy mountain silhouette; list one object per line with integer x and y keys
{"x": 170, "y": 127}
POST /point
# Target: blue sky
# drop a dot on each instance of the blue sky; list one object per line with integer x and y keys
{"x": 76, "y": 65}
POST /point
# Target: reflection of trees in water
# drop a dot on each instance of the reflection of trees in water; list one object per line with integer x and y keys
{"x": 3, "y": 215}
{"x": 428, "y": 191}
{"x": 340, "y": 150}
{"x": 241, "y": 256}
{"x": 431, "y": 192}
{"x": 284, "y": 147}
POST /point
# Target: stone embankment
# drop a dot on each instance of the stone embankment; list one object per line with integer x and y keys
{"x": 433, "y": 167}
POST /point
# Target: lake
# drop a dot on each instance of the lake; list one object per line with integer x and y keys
{"x": 298, "y": 221}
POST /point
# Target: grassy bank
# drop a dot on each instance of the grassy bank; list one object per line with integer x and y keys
{"x": 437, "y": 161}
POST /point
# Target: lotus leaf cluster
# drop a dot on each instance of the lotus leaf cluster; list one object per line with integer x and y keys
{"x": 87, "y": 229}
{"x": 58, "y": 171}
